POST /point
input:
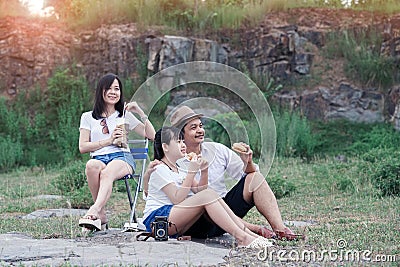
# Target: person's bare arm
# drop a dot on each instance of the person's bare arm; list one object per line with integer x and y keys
{"x": 178, "y": 194}
{"x": 203, "y": 182}
{"x": 246, "y": 155}
{"x": 145, "y": 128}
{"x": 85, "y": 145}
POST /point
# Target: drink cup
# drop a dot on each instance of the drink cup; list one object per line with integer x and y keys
{"x": 122, "y": 141}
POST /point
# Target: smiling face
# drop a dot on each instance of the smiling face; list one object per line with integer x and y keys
{"x": 175, "y": 150}
{"x": 112, "y": 95}
{"x": 194, "y": 133}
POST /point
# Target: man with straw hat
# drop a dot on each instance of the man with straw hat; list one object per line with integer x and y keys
{"x": 250, "y": 190}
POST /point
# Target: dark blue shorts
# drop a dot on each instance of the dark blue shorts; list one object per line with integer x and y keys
{"x": 163, "y": 211}
{"x": 204, "y": 227}
{"x": 124, "y": 156}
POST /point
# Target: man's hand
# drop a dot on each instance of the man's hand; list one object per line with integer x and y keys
{"x": 247, "y": 158}
{"x": 245, "y": 152}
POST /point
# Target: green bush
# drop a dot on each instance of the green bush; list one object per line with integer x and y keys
{"x": 294, "y": 135}
{"x": 44, "y": 125}
{"x": 344, "y": 184}
{"x": 72, "y": 178}
{"x": 385, "y": 174}
{"x": 379, "y": 136}
{"x": 226, "y": 129}
{"x": 361, "y": 50}
{"x": 72, "y": 184}
{"x": 10, "y": 153}
{"x": 281, "y": 187}
{"x": 387, "y": 178}
{"x": 377, "y": 155}
{"x": 351, "y": 138}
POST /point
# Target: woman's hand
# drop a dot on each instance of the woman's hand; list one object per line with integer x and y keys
{"x": 146, "y": 177}
{"x": 198, "y": 164}
{"x": 152, "y": 166}
{"x": 134, "y": 108}
{"x": 203, "y": 163}
{"x": 117, "y": 133}
{"x": 194, "y": 166}
{"x": 203, "y": 182}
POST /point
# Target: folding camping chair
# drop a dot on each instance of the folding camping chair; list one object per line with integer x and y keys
{"x": 139, "y": 150}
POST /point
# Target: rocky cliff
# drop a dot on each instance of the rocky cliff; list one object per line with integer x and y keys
{"x": 285, "y": 46}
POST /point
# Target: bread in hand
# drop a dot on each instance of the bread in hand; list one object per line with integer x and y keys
{"x": 238, "y": 147}
{"x": 191, "y": 156}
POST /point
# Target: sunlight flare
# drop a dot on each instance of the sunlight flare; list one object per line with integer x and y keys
{"x": 34, "y": 6}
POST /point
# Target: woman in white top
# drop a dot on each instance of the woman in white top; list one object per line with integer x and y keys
{"x": 98, "y": 134}
{"x": 169, "y": 187}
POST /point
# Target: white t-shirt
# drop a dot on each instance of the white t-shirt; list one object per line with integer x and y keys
{"x": 96, "y": 130}
{"x": 161, "y": 177}
{"x": 225, "y": 166}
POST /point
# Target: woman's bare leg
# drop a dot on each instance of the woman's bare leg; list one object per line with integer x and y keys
{"x": 236, "y": 219}
{"x": 102, "y": 187}
{"x": 93, "y": 170}
{"x": 188, "y": 211}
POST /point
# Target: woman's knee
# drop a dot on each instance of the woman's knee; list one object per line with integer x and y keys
{"x": 93, "y": 166}
{"x": 209, "y": 194}
{"x": 106, "y": 175}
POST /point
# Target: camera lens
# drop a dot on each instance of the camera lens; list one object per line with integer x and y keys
{"x": 160, "y": 232}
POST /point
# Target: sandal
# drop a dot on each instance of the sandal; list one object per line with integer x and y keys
{"x": 90, "y": 222}
{"x": 87, "y": 231}
{"x": 288, "y": 235}
{"x": 267, "y": 233}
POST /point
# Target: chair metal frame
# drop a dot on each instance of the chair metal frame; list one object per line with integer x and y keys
{"x": 139, "y": 154}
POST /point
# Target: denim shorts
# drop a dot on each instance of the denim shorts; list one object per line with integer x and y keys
{"x": 124, "y": 156}
{"x": 163, "y": 211}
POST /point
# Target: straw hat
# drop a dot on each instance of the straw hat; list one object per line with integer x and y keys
{"x": 182, "y": 115}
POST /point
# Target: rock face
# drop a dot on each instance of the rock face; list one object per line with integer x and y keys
{"x": 346, "y": 102}
{"x": 31, "y": 50}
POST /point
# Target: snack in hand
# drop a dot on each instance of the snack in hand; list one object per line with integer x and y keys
{"x": 191, "y": 156}
{"x": 239, "y": 148}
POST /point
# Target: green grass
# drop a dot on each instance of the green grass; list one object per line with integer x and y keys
{"x": 363, "y": 59}
{"x": 182, "y": 14}
{"x": 362, "y": 218}
{"x": 358, "y": 215}
{"x": 17, "y": 189}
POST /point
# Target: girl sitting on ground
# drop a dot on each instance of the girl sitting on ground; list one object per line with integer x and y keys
{"x": 170, "y": 193}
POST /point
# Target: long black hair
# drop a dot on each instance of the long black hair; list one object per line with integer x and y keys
{"x": 103, "y": 85}
{"x": 165, "y": 135}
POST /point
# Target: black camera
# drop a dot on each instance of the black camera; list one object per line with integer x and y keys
{"x": 160, "y": 228}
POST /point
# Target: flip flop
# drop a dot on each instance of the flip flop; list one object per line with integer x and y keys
{"x": 90, "y": 222}
{"x": 267, "y": 233}
{"x": 259, "y": 243}
{"x": 288, "y": 235}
